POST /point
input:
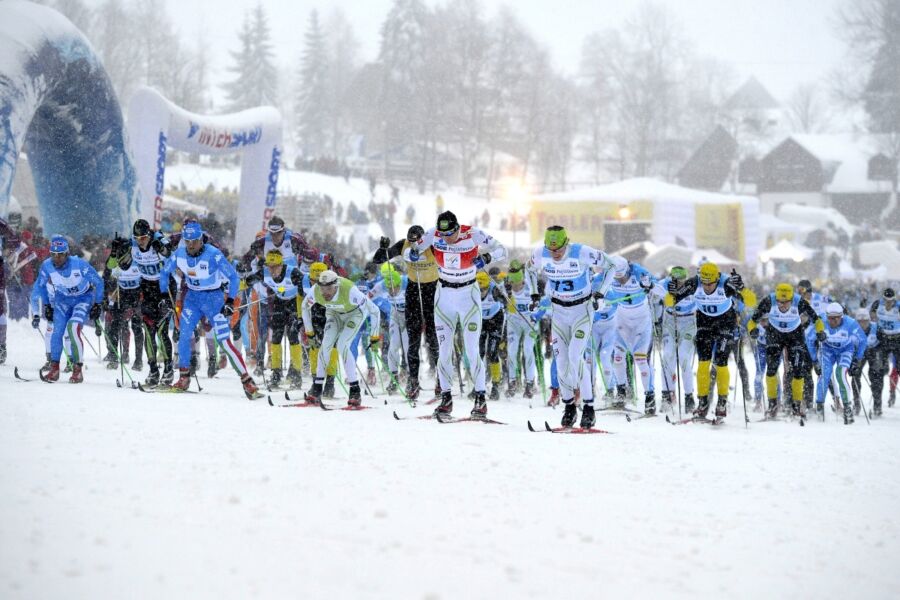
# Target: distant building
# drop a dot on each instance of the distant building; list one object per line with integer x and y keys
{"x": 749, "y": 124}
{"x": 851, "y": 173}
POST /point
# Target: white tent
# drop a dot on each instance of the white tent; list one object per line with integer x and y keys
{"x": 711, "y": 255}
{"x": 785, "y": 250}
{"x": 668, "y": 256}
{"x": 677, "y": 215}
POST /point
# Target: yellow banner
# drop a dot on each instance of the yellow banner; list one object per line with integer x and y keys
{"x": 720, "y": 226}
{"x": 585, "y": 221}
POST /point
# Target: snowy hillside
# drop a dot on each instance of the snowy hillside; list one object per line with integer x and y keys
{"x": 113, "y": 493}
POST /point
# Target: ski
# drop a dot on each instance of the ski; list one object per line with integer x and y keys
{"x": 571, "y": 430}
{"x": 254, "y": 395}
{"x": 422, "y": 417}
{"x": 713, "y": 421}
{"x": 293, "y": 403}
{"x": 133, "y": 385}
{"x": 164, "y": 390}
{"x": 447, "y": 419}
{"x": 43, "y": 378}
{"x": 19, "y": 377}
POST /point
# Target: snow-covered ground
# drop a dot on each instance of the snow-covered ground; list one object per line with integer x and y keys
{"x": 112, "y": 493}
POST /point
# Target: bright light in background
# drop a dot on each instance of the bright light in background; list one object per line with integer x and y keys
{"x": 518, "y": 195}
{"x": 624, "y": 213}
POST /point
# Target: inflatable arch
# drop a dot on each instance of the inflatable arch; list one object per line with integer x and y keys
{"x": 57, "y": 103}
{"x": 156, "y": 124}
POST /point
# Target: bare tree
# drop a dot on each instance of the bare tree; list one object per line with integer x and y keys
{"x": 807, "y": 110}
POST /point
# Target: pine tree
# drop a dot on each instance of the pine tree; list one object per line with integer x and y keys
{"x": 255, "y": 81}
{"x": 312, "y": 96}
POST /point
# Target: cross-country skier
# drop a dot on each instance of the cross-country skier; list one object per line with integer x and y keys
{"x": 78, "y": 296}
{"x": 204, "y": 269}
{"x": 567, "y": 268}
{"x": 842, "y": 351}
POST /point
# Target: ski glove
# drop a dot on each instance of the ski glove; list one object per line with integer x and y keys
{"x": 645, "y": 282}
{"x": 855, "y": 368}
{"x": 384, "y": 243}
{"x": 672, "y": 287}
{"x": 821, "y": 336}
{"x": 482, "y": 260}
{"x": 48, "y": 312}
{"x": 736, "y": 281}
{"x": 95, "y": 312}
{"x": 36, "y": 321}
{"x": 165, "y": 305}
{"x": 228, "y": 307}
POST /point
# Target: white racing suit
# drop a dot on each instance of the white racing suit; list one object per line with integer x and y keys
{"x": 679, "y": 328}
{"x": 457, "y": 300}
{"x": 522, "y": 327}
{"x": 569, "y": 287}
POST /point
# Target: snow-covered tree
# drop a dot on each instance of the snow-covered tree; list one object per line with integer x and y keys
{"x": 312, "y": 94}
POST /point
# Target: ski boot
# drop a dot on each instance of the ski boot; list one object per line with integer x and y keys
{"x": 294, "y": 378}
{"x": 370, "y": 376}
{"x": 392, "y": 385}
{"x": 569, "y": 414}
{"x": 76, "y": 376}
{"x": 588, "y": 418}
{"x": 772, "y": 411}
{"x": 211, "y": 367}
{"x": 137, "y": 365}
{"x": 153, "y": 378}
{"x": 688, "y": 402}
{"x": 876, "y": 407}
{"x": 52, "y": 373}
{"x": 314, "y": 394}
{"x": 446, "y": 405}
{"x": 355, "y": 396}
{"x": 412, "y": 388}
{"x": 328, "y": 390}
{"x": 621, "y": 392}
{"x": 275, "y": 380}
{"x": 168, "y": 375}
{"x": 820, "y": 410}
{"x": 495, "y": 391}
{"x": 258, "y": 371}
{"x": 848, "y": 414}
{"x": 554, "y": 397}
{"x": 529, "y": 389}
{"x": 479, "y": 410}
{"x": 184, "y": 380}
{"x": 702, "y": 407}
{"x": 511, "y": 388}
{"x": 857, "y": 406}
{"x": 649, "y": 403}
{"x": 46, "y": 366}
{"x": 250, "y": 389}
{"x": 666, "y": 405}
{"x": 722, "y": 407}
{"x": 113, "y": 364}
{"x": 195, "y": 360}
{"x": 796, "y": 409}
{"x": 892, "y": 398}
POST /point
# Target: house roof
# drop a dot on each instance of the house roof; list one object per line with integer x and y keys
{"x": 846, "y": 157}
{"x": 751, "y": 96}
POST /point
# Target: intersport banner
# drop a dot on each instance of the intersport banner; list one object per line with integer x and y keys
{"x": 155, "y": 124}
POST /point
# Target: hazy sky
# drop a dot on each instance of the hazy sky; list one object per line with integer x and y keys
{"x": 782, "y": 42}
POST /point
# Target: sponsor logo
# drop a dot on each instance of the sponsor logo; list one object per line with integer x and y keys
{"x": 472, "y": 327}
{"x": 579, "y": 334}
{"x": 160, "y": 179}
{"x": 351, "y": 324}
{"x": 214, "y": 138}
{"x": 272, "y": 188}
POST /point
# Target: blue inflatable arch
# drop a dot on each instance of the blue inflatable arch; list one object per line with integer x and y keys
{"x": 58, "y": 105}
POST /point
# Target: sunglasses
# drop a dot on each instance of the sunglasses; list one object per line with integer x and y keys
{"x": 446, "y": 233}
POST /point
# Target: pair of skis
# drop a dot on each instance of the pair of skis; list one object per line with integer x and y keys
{"x": 571, "y": 430}
{"x": 446, "y": 419}
{"x": 291, "y": 403}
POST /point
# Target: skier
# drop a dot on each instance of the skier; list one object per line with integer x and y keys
{"x": 631, "y": 285}
{"x": 9, "y": 240}
{"x": 567, "y": 268}
{"x": 886, "y": 313}
{"x": 317, "y": 312}
{"x": 521, "y": 328}
{"x": 420, "y": 293}
{"x": 842, "y": 350}
{"x": 603, "y": 336}
{"x": 714, "y": 295}
{"x": 149, "y": 250}
{"x": 784, "y": 331}
{"x": 78, "y": 295}
{"x": 283, "y": 287}
{"x": 204, "y": 269}
{"x": 345, "y": 310}
{"x": 679, "y": 329}
{"x": 123, "y": 304}
{"x": 875, "y": 358}
{"x": 457, "y": 251}
{"x": 392, "y": 289}
{"x": 291, "y": 246}
{"x": 492, "y": 324}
